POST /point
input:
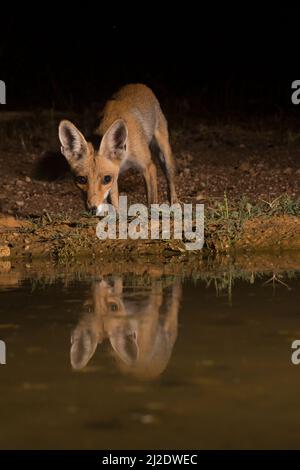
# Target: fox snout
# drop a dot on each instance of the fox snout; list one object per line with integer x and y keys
{"x": 95, "y": 202}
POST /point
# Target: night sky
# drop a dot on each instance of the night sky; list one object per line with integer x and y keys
{"x": 79, "y": 55}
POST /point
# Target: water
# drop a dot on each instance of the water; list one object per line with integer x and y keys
{"x": 127, "y": 361}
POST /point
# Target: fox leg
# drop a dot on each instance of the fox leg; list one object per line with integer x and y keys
{"x": 171, "y": 320}
{"x": 150, "y": 177}
{"x": 162, "y": 138}
{"x": 153, "y": 183}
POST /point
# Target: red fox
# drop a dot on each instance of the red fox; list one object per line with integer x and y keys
{"x": 132, "y": 121}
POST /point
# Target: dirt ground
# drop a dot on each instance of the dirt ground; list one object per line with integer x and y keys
{"x": 252, "y": 159}
{"x": 256, "y": 159}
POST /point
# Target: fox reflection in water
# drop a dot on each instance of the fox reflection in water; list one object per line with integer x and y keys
{"x": 140, "y": 322}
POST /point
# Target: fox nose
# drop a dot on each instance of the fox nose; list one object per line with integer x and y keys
{"x": 93, "y": 210}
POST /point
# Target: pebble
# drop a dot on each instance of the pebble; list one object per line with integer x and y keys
{"x": 4, "y": 251}
{"x": 200, "y": 197}
{"x": 245, "y": 166}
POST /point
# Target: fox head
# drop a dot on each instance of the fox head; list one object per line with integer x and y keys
{"x": 95, "y": 171}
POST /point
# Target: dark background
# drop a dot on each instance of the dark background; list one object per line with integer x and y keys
{"x": 73, "y": 55}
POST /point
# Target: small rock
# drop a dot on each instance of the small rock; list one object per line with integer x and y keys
{"x": 244, "y": 167}
{"x": 252, "y": 172}
{"x": 20, "y": 203}
{"x": 288, "y": 171}
{"x": 5, "y": 266}
{"x": 4, "y": 251}
{"x": 28, "y": 179}
{"x": 188, "y": 157}
{"x": 200, "y": 197}
{"x": 11, "y": 222}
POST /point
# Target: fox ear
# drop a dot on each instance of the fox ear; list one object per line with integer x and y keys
{"x": 126, "y": 347}
{"x": 115, "y": 139}
{"x": 73, "y": 145}
{"x": 83, "y": 347}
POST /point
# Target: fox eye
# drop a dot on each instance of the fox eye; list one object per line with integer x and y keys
{"x": 81, "y": 179}
{"x": 113, "y": 306}
{"x": 106, "y": 179}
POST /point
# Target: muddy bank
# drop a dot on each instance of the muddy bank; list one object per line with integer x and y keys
{"x": 36, "y": 249}
{"x": 265, "y": 233}
{"x": 64, "y": 240}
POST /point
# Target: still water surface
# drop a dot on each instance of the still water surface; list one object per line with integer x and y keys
{"x": 126, "y": 361}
